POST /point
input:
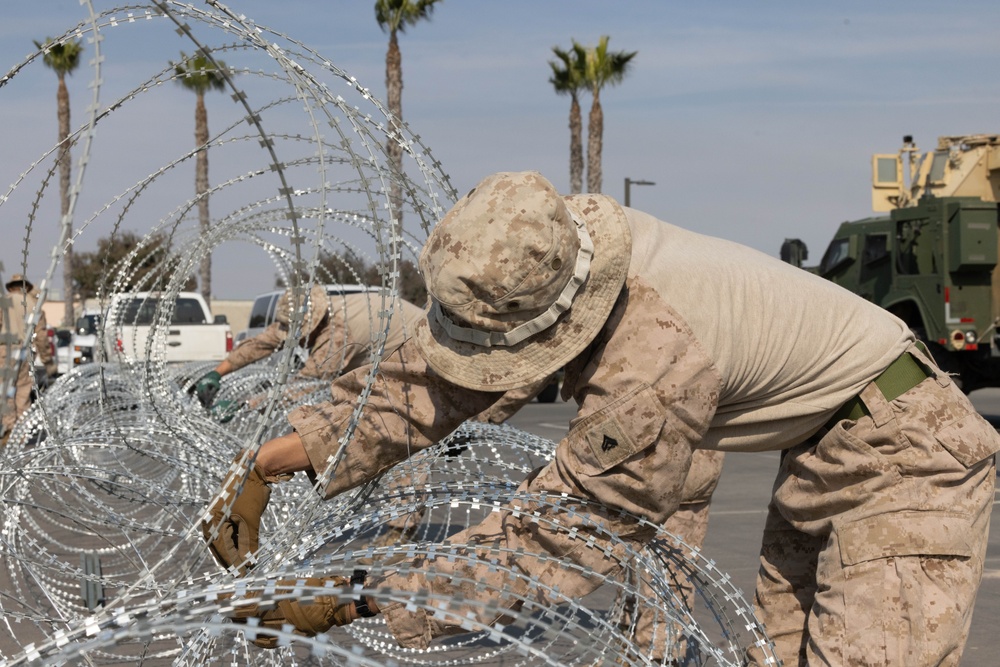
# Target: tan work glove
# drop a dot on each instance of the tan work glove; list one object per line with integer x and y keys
{"x": 232, "y": 537}
{"x": 319, "y": 615}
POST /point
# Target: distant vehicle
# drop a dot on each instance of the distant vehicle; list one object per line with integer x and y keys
{"x": 262, "y": 311}
{"x": 551, "y": 391}
{"x": 187, "y": 330}
{"x": 66, "y": 355}
{"x": 85, "y": 335}
{"x": 932, "y": 260}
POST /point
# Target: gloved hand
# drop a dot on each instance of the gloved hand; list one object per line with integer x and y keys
{"x": 225, "y": 410}
{"x": 207, "y": 387}
{"x": 309, "y": 618}
{"x": 232, "y": 536}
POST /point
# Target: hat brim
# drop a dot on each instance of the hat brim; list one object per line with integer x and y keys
{"x": 503, "y": 368}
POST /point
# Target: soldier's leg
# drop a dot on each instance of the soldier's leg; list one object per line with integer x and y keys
{"x": 690, "y": 521}
{"x": 9, "y": 409}
{"x": 22, "y": 395}
{"x": 786, "y": 587}
{"x": 652, "y": 636}
{"x": 901, "y": 500}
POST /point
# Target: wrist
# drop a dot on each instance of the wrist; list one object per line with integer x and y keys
{"x": 364, "y": 606}
{"x": 283, "y": 456}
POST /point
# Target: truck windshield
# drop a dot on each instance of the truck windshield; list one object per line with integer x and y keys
{"x": 836, "y": 254}
{"x": 142, "y": 311}
{"x": 259, "y": 313}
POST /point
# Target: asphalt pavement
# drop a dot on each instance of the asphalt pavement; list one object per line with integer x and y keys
{"x": 739, "y": 507}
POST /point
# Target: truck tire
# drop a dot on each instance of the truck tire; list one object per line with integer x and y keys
{"x": 550, "y": 393}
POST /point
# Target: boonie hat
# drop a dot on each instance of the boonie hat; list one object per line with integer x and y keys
{"x": 521, "y": 280}
{"x": 18, "y": 279}
{"x": 317, "y": 307}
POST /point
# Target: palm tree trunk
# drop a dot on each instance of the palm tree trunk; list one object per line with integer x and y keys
{"x": 595, "y": 137}
{"x": 394, "y": 98}
{"x": 201, "y": 190}
{"x": 62, "y": 102}
{"x": 575, "y": 147}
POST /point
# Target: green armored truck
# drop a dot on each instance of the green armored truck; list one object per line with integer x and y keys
{"x": 932, "y": 260}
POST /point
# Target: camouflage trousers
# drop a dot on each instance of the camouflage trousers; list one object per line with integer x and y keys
{"x": 651, "y": 633}
{"x": 875, "y": 537}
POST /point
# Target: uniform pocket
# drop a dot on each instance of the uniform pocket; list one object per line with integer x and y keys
{"x": 910, "y": 533}
{"x": 619, "y": 431}
{"x": 970, "y": 439}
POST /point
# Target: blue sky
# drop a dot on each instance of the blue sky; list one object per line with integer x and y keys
{"x": 756, "y": 121}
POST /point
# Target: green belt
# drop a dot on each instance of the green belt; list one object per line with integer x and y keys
{"x": 902, "y": 375}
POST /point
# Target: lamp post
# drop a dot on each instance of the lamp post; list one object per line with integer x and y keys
{"x": 628, "y": 187}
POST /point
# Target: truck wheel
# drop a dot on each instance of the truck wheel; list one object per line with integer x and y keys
{"x": 549, "y": 394}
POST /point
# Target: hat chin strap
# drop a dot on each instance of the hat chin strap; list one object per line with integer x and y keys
{"x": 533, "y": 326}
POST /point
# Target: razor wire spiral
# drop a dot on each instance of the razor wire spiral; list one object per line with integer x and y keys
{"x": 104, "y": 480}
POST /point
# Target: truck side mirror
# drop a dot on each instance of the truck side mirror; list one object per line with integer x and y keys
{"x": 220, "y": 319}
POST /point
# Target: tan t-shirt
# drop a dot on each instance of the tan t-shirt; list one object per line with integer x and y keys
{"x": 789, "y": 347}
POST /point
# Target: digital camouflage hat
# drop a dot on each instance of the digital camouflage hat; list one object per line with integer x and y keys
{"x": 318, "y": 305}
{"x": 521, "y": 280}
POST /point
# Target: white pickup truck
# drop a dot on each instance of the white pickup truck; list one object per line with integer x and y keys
{"x": 189, "y": 332}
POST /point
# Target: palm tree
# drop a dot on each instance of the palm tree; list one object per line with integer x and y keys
{"x": 602, "y": 68}
{"x": 568, "y": 79}
{"x": 63, "y": 58}
{"x": 199, "y": 74}
{"x": 393, "y": 16}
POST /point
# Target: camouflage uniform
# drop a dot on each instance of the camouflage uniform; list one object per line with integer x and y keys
{"x": 512, "y": 401}
{"x": 706, "y": 344}
{"x": 19, "y": 308}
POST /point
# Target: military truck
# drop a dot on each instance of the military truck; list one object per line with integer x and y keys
{"x": 932, "y": 260}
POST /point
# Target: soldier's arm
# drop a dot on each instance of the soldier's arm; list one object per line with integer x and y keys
{"x": 253, "y": 349}
{"x": 409, "y": 409}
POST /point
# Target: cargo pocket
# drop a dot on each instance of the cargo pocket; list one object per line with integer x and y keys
{"x": 906, "y": 590}
{"x": 969, "y": 439}
{"x": 909, "y": 533}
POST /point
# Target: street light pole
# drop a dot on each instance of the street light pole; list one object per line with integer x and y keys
{"x": 628, "y": 187}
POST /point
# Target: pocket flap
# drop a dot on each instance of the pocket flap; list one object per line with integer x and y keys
{"x": 908, "y": 533}
{"x": 620, "y": 430}
{"x": 970, "y": 439}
